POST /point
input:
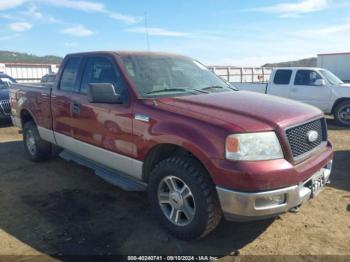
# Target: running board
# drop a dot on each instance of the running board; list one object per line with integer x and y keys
{"x": 116, "y": 178}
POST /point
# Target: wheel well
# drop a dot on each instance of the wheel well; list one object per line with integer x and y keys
{"x": 26, "y": 117}
{"x": 340, "y": 100}
{"x": 161, "y": 152}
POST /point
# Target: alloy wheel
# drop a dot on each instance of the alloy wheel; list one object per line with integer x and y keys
{"x": 176, "y": 200}
{"x": 30, "y": 142}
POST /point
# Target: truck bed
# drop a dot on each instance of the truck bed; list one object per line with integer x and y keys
{"x": 34, "y": 96}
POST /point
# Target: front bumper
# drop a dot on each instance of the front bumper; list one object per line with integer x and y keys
{"x": 242, "y": 206}
{"x": 5, "y": 117}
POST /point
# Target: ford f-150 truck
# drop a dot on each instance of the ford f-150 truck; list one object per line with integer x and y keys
{"x": 315, "y": 86}
{"x": 166, "y": 124}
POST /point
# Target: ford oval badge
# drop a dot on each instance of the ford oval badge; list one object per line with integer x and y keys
{"x": 312, "y": 136}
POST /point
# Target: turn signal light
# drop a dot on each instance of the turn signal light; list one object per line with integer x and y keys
{"x": 232, "y": 144}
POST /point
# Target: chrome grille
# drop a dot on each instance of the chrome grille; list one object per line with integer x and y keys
{"x": 5, "y": 107}
{"x": 298, "y": 137}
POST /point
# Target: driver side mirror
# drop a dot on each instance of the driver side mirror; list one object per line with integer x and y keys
{"x": 320, "y": 82}
{"x": 103, "y": 93}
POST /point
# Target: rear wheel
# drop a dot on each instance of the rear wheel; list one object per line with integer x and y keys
{"x": 36, "y": 148}
{"x": 183, "y": 198}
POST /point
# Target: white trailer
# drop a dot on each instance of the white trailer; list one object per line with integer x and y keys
{"x": 26, "y": 72}
{"x": 338, "y": 63}
{"x": 242, "y": 74}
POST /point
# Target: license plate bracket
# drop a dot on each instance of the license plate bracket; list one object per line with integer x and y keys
{"x": 318, "y": 184}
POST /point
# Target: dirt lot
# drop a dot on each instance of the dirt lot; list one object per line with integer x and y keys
{"x": 62, "y": 208}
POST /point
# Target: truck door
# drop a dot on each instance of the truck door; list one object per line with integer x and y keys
{"x": 102, "y": 129}
{"x": 306, "y": 90}
{"x": 280, "y": 83}
{"x": 61, "y": 99}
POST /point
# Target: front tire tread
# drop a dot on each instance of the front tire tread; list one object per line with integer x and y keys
{"x": 200, "y": 177}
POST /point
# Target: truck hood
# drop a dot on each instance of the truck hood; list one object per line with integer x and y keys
{"x": 4, "y": 94}
{"x": 242, "y": 110}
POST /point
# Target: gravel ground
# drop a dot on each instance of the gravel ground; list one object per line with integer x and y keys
{"x": 57, "y": 208}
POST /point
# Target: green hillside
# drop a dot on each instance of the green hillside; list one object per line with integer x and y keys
{"x": 307, "y": 62}
{"x": 16, "y": 57}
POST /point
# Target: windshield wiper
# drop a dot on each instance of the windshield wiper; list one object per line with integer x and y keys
{"x": 168, "y": 90}
{"x": 191, "y": 90}
{"x": 200, "y": 90}
{"x": 212, "y": 87}
{"x": 218, "y": 87}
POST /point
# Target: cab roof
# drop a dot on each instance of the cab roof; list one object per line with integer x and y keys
{"x": 129, "y": 53}
{"x": 298, "y": 68}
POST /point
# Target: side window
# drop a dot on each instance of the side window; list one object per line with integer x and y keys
{"x": 100, "y": 70}
{"x": 306, "y": 77}
{"x": 70, "y": 74}
{"x": 282, "y": 77}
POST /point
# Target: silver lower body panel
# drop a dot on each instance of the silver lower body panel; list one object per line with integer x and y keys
{"x": 243, "y": 206}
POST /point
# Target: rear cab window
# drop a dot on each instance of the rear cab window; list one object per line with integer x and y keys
{"x": 282, "y": 77}
{"x": 69, "y": 79}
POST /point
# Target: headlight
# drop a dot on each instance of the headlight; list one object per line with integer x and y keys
{"x": 253, "y": 146}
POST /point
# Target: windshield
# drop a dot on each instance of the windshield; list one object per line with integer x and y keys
{"x": 172, "y": 76}
{"x": 5, "y": 82}
{"x": 331, "y": 78}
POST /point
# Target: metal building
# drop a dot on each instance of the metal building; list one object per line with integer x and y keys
{"x": 26, "y": 72}
{"x": 337, "y": 63}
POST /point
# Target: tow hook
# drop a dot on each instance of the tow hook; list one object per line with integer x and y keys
{"x": 295, "y": 209}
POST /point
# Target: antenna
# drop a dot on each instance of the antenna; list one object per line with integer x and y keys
{"x": 147, "y": 35}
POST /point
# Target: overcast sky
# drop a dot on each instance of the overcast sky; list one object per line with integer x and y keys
{"x": 235, "y": 32}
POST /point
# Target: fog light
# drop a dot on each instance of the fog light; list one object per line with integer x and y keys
{"x": 265, "y": 202}
{"x": 328, "y": 168}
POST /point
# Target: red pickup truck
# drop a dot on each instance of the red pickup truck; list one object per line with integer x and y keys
{"x": 166, "y": 124}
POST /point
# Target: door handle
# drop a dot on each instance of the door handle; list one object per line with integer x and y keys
{"x": 75, "y": 107}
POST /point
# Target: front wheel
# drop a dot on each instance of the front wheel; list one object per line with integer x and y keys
{"x": 342, "y": 113}
{"x": 183, "y": 198}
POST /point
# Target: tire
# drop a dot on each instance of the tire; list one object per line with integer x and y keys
{"x": 37, "y": 149}
{"x": 342, "y": 113}
{"x": 200, "y": 203}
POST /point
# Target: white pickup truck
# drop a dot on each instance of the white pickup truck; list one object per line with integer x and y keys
{"x": 315, "y": 86}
